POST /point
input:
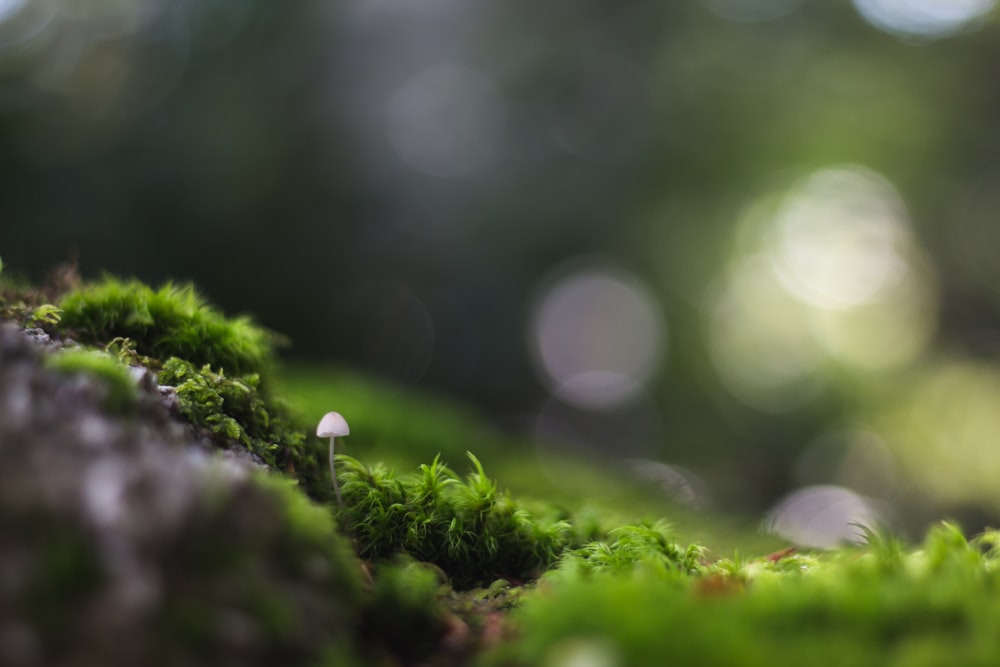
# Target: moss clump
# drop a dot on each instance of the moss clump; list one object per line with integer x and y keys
{"x": 120, "y": 389}
{"x": 235, "y": 409}
{"x": 173, "y": 321}
{"x": 470, "y": 529}
{"x": 646, "y": 545}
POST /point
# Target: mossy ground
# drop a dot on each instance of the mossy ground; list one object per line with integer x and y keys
{"x": 452, "y": 568}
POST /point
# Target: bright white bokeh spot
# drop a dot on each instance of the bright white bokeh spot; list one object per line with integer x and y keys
{"x": 823, "y": 516}
{"x": 596, "y": 334}
{"x": 10, "y": 8}
{"x": 761, "y": 342}
{"x": 446, "y": 121}
{"x": 840, "y": 238}
{"x": 928, "y": 19}
{"x": 752, "y": 11}
{"x": 826, "y": 277}
{"x": 885, "y": 334}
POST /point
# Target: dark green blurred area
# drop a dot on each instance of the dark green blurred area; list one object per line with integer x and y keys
{"x": 751, "y": 242}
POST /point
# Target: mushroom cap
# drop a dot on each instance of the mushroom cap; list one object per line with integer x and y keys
{"x": 332, "y": 425}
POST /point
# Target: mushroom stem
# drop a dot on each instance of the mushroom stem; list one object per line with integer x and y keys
{"x": 330, "y": 426}
{"x": 333, "y": 473}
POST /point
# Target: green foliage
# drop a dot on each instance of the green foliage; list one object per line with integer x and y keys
{"x": 645, "y": 545}
{"x": 120, "y": 388}
{"x": 235, "y": 409}
{"x": 46, "y": 314}
{"x": 873, "y": 605}
{"x": 173, "y": 321}
{"x": 474, "y": 532}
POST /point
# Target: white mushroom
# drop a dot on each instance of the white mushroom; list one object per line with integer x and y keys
{"x": 333, "y": 426}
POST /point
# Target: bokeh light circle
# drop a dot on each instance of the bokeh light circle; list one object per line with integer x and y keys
{"x": 21, "y": 20}
{"x": 840, "y": 238}
{"x": 927, "y": 19}
{"x": 823, "y": 516}
{"x": 596, "y": 334}
{"x": 446, "y": 121}
{"x": 826, "y": 277}
{"x": 10, "y": 8}
{"x": 760, "y": 340}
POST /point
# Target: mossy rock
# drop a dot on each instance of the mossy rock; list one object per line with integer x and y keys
{"x": 216, "y": 367}
{"x": 122, "y": 542}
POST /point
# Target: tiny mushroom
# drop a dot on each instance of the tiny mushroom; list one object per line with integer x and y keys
{"x": 333, "y": 426}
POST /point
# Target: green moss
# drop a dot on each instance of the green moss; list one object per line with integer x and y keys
{"x": 173, "y": 321}
{"x": 218, "y": 365}
{"x": 235, "y": 409}
{"x": 627, "y": 547}
{"x": 474, "y": 532}
{"x": 46, "y": 315}
{"x": 876, "y": 605}
{"x": 120, "y": 388}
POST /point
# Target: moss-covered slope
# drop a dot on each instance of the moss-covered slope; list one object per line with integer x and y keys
{"x": 160, "y": 504}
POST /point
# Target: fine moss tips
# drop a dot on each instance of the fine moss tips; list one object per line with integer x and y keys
{"x": 174, "y": 321}
{"x": 474, "y": 532}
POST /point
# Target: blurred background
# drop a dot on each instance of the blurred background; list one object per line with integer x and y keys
{"x": 747, "y": 248}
